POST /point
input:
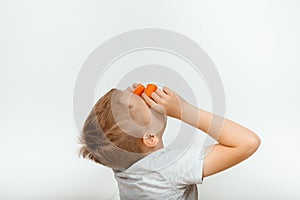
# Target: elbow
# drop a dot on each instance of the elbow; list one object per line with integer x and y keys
{"x": 249, "y": 145}
{"x": 252, "y": 144}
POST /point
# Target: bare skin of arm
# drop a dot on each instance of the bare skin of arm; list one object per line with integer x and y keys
{"x": 235, "y": 142}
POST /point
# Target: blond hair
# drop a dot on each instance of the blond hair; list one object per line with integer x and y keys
{"x": 102, "y": 139}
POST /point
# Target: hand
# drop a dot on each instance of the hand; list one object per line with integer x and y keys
{"x": 166, "y": 102}
{"x": 132, "y": 88}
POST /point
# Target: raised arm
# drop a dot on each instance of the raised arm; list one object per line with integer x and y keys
{"x": 236, "y": 142}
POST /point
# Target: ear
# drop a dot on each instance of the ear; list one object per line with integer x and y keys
{"x": 150, "y": 140}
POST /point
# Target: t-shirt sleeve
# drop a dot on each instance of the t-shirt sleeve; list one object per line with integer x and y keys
{"x": 187, "y": 169}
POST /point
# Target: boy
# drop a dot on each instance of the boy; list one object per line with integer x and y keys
{"x": 124, "y": 132}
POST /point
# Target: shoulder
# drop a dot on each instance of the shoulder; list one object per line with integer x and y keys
{"x": 186, "y": 168}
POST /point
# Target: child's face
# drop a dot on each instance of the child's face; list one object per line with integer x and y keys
{"x": 142, "y": 114}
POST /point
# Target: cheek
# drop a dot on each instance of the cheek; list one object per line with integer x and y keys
{"x": 158, "y": 122}
{"x": 140, "y": 117}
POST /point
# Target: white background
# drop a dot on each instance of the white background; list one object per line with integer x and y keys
{"x": 254, "y": 44}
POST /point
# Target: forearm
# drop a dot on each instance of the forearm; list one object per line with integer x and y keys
{"x": 225, "y": 131}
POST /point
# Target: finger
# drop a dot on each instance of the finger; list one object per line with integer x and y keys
{"x": 156, "y": 98}
{"x": 135, "y": 85}
{"x": 160, "y": 109}
{"x": 161, "y": 93}
{"x": 130, "y": 89}
{"x": 167, "y": 90}
{"x": 148, "y": 100}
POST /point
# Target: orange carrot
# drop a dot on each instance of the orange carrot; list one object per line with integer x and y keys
{"x": 139, "y": 90}
{"x": 149, "y": 89}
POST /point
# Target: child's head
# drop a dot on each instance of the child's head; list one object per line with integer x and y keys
{"x": 121, "y": 129}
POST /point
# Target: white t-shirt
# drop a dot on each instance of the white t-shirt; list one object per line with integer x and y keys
{"x": 163, "y": 174}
